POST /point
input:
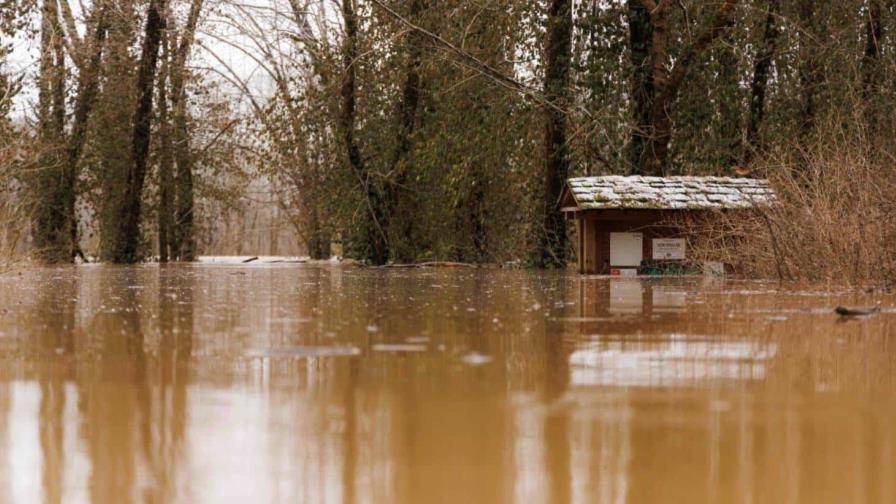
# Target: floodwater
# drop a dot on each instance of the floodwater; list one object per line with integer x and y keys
{"x": 295, "y": 383}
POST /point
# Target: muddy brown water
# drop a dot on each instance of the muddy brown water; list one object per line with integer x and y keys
{"x": 286, "y": 383}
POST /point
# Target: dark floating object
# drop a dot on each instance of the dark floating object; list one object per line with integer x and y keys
{"x": 250, "y": 259}
{"x": 844, "y": 311}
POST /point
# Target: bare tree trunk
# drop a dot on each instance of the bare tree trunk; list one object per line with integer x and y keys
{"x": 128, "y": 220}
{"x": 640, "y": 36}
{"x": 183, "y": 242}
{"x": 552, "y": 242}
{"x": 476, "y": 216}
{"x": 50, "y": 231}
{"x": 184, "y": 238}
{"x": 659, "y": 132}
{"x": 44, "y": 80}
{"x": 730, "y": 110}
{"x": 166, "y": 180}
{"x": 58, "y": 74}
{"x": 314, "y": 244}
{"x": 667, "y": 82}
{"x": 871, "y": 68}
{"x": 759, "y": 84}
{"x": 400, "y": 165}
{"x": 808, "y": 67}
{"x": 88, "y": 81}
{"x": 376, "y": 248}
{"x": 56, "y": 223}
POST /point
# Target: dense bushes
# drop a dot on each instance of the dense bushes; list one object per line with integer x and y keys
{"x": 834, "y": 221}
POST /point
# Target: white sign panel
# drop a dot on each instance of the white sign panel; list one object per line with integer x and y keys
{"x": 625, "y": 249}
{"x": 668, "y": 248}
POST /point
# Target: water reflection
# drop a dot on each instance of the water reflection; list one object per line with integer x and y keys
{"x": 680, "y": 360}
{"x": 195, "y": 384}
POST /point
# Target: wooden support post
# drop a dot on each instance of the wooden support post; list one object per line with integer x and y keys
{"x": 589, "y": 246}
{"x": 580, "y": 249}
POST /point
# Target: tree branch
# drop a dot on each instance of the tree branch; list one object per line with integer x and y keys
{"x": 75, "y": 45}
{"x": 719, "y": 23}
{"x": 473, "y": 62}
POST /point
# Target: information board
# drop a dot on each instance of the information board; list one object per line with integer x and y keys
{"x": 668, "y": 248}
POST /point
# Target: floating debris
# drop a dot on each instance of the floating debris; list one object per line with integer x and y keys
{"x": 476, "y": 359}
{"x": 861, "y": 311}
{"x": 304, "y": 351}
{"x": 398, "y": 347}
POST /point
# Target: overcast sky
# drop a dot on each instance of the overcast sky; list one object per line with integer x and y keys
{"x": 25, "y": 55}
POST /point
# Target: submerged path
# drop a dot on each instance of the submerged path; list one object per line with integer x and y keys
{"x": 296, "y": 383}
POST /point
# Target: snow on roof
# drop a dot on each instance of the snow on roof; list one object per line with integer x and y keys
{"x": 668, "y": 193}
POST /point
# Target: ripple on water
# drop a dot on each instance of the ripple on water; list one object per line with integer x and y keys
{"x": 398, "y": 347}
{"x": 304, "y": 351}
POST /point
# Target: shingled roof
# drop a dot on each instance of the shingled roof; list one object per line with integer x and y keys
{"x": 672, "y": 193}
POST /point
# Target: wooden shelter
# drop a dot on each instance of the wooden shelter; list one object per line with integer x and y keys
{"x": 623, "y": 223}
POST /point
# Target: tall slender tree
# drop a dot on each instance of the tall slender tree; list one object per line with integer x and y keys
{"x": 374, "y": 243}
{"x": 551, "y": 240}
{"x": 810, "y": 72}
{"x": 400, "y": 166}
{"x": 871, "y": 59}
{"x": 759, "y": 81}
{"x": 88, "y": 82}
{"x": 165, "y": 211}
{"x": 183, "y": 241}
{"x": 50, "y": 184}
{"x": 56, "y": 221}
{"x": 640, "y": 41}
{"x": 127, "y": 225}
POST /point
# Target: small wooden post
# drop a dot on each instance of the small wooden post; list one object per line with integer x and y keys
{"x": 588, "y": 246}
{"x": 580, "y": 249}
